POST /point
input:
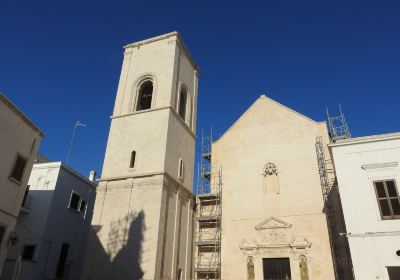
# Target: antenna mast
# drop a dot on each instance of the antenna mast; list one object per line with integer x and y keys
{"x": 77, "y": 123}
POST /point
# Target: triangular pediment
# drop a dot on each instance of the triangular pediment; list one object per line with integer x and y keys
{"x": 267, "y": 107}
{"x": 272, "y": 223}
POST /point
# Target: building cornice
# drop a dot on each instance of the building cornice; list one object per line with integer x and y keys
{"x": 179, "y": 119}
{"x": 19, "y": 113}
{"x": 167, "y": 36}
{"x": 166, "y": 181}
{"x": 366, "y": 139}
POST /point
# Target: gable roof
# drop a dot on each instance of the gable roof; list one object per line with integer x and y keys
{"x": 265, "y": 98}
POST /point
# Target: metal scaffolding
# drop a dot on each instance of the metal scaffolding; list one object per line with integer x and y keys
{"x": 337, "y": 126}
{"x": 208, "y": 206}
{"x": 338, "y": 129}
{"x": 327, "y": 177}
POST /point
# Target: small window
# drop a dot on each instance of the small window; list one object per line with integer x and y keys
{"x": 2, "y": 232}
{"x": 133, "y": 158}
{"x": 17, "y": 171}
{"x": 181, "y": 169}
{"x": 74, "y": 201}
{"x": 388, "y": 199}
{"x": 82, "y": 208}
{"x": 145, "y": 96}
{"x": 28, "y": 252}
{"x": 182, "y": 104}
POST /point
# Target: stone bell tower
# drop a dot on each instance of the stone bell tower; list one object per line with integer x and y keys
{"x": 142, "y": 220}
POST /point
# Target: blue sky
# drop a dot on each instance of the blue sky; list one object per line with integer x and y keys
{"x": 60, "y": 61}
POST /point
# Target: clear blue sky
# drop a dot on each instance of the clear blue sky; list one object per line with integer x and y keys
{"x": 60, "y": 61}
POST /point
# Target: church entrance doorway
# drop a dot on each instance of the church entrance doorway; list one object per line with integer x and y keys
{"x": 276, "y": 269}
{"x": 394, "y": 272}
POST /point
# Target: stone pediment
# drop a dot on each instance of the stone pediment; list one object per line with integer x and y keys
{"x": 272, "y": 223}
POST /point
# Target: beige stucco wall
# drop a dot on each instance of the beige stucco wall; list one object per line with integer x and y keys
{"x": 268, "y": 132}
{"x": 17, "y": 136}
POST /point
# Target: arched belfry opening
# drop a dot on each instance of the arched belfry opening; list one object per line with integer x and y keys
{"x": 271, "y": 179}
{"x": 145, "y": 96}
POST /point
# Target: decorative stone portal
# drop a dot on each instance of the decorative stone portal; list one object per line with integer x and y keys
{"x": 275, "y": 246}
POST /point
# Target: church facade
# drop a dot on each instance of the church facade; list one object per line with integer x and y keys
{"x": 273, "y": 225}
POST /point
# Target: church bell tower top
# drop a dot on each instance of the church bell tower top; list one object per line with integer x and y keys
{"x": 173, "y": 36}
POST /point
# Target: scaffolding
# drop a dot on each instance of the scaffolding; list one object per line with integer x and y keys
{"x": 338, "y": 129}
{"x": 208, "y": 207}
{"x": 337, "y": 126}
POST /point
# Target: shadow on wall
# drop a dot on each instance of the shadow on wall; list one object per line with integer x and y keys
{"x": 120, "y": 257}
{"x": 339, "y": 244}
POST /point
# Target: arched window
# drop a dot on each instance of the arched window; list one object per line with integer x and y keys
{"x": 182, "y": 104}
{"x": 181, "y": 170}
{"x": 271, "y": 179}
{"x": 144, "y": 96}
{"x": 133, "y": 157}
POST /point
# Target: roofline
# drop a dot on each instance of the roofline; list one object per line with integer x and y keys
{"x": 60, "y": 164}
{"x": 166, "y": 36}
{"x": 366, "y": 139}
{"x": 19, "y": 113}
{"x": 272, "y": 100}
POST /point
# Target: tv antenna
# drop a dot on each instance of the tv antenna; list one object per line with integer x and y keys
{"x": 77, "y": 124}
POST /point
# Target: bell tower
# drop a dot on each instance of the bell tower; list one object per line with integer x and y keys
{"x": 142, "y": 219}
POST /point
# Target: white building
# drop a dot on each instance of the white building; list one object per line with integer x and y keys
{"x": 53, "y": 224}
{"x": 19, "y": 143}
{"x": 368, "y": 174}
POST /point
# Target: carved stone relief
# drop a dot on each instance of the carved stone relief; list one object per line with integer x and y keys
{"x": 270, "y": 169}
{"x": 250, "y": 268}
{"x": 303, "y": 268}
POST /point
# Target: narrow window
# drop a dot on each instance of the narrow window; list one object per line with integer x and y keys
{"x": 182, "y": 104}
{"x": 145, "y": 96}
{"x": 2, "y": 231}
{"x": 388, "y": 199}
{"x": 190, "y": 112}
{"x": 62, "y": 260}
{"x": 17, "y": 171}
{"x": 74, "y": 201}
{"x": 82, "y": 208}
{"x": 181, "y": 169}
{"x": 133, "y": 158}
{"x": 28, "y": 252}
